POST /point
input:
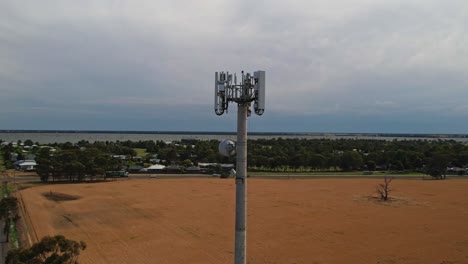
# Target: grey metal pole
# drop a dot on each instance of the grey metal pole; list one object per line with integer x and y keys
{"x": 241, "y": 185}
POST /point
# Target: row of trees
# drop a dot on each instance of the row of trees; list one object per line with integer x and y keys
{"x": 6, "y": 152}
{"x": 74, "y": 164}
{"x": 329, "y": 155}
{"x": 176, "y": 153}
{"x": 355, "y": 154}
{"x": 76, "y": 161}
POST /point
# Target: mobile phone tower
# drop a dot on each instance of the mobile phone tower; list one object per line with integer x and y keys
{"x": 250, "y": 89}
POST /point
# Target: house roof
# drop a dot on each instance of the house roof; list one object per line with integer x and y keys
{"x": 156, "y": 167}
{"x": 201, "y": 164}
{"x": 19, "y": 162}
{"x": 28, "y": 163}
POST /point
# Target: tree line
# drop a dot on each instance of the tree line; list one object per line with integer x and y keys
{"x": 279, "y": 154}
{"x": 356, "y": 154}
{"x": 84, "y": 159}
{"x": 74, "y": 164}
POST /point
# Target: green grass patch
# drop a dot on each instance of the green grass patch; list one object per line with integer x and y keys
{"x": 7, "y": 189}
{"x": 14, "y": 236}
{"x": 141, "y": 152}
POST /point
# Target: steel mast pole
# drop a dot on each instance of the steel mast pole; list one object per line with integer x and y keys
{"x": 250, "y": 90}
{"x": 241, "y": 184}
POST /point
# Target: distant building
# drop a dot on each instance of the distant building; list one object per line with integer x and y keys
{"x": 456, "y": 171}
{"x": 224, "y": 167}
{"x": 25, "y": 165}
{"x": 156, "y": 168}
{"x": 121, "y": 157}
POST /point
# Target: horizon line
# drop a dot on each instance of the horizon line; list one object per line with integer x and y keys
{"x": 381, "y": 134}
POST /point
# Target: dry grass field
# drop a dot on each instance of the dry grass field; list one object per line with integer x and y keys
{"x": 289, "y": 221}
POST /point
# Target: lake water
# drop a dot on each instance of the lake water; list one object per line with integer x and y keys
{"x": 60, "y": 137}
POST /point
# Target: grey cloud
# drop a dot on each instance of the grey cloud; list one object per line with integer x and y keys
{"x": 322, "y": 58}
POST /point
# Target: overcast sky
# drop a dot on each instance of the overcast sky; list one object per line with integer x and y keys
{"x": 396, "y": 66}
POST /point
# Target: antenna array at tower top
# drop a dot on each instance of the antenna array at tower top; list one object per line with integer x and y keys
{"x": 251, "y": 88}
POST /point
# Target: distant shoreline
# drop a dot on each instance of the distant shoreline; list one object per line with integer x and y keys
{"x": 331, "y": 134}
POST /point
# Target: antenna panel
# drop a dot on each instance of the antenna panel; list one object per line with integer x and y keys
{"x": 218, "y": 97}
{"x": 259, "y": 89}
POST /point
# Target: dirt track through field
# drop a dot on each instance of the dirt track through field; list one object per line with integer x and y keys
{"x": 289, "y": 221}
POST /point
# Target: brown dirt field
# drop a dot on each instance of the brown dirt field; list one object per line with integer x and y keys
{"x": 289, "y": 221}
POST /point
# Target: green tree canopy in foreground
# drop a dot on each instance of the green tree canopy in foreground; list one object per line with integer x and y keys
{"x": 53, "y": 250}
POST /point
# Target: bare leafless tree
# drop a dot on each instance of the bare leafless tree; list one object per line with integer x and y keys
{"x": 383, "y": 189}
